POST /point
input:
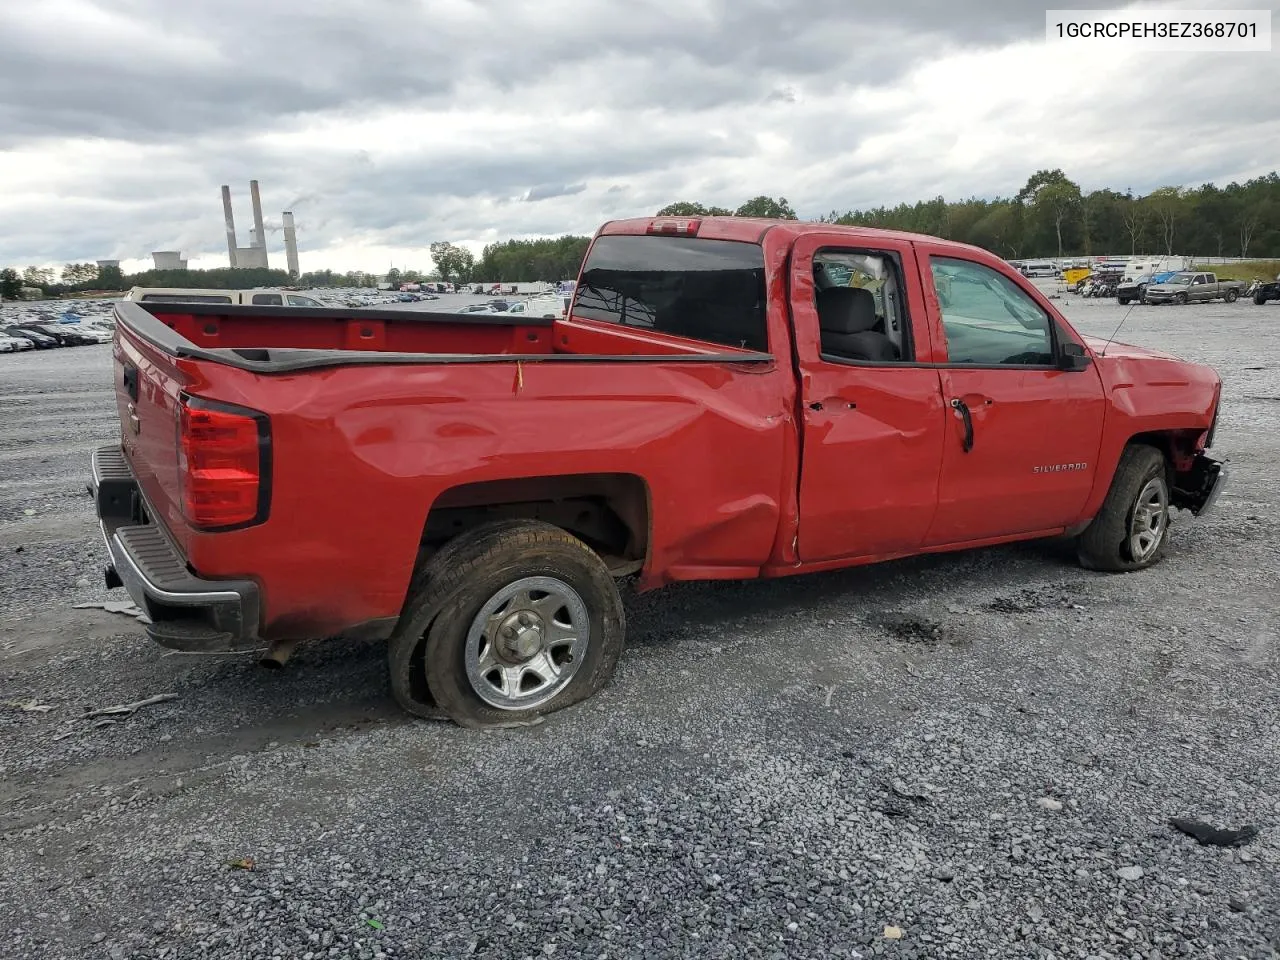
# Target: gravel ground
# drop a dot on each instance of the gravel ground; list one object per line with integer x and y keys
{"x": 963, "y": 756}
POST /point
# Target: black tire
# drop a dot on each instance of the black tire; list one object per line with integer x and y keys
{"x": 1259, "y": 299}
{"x": 1180, "y": 298}
{"x": 1106, "y": 543}
{"x": 1124, "y": 301}
{"x": 428, "y": 592}
{"x": 1232, "y": 296}
{"x": 479, "y": 566}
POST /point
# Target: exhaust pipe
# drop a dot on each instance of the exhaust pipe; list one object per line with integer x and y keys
{"x": 277, "y": 654}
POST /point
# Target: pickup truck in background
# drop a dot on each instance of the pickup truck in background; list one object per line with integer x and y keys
{"x": 264, "y": 297}
{"x": 713, "y": 406}
{"x": 1189, "y": 286}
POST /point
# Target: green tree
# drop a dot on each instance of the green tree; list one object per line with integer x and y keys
{"x": 10, "y": 284}
{"x": 453, "y": 263}
{"x": 1165, "y": 205}
{"x": 685, "y": 208}
{"x": 766, "y": 207}
{"x": 112, "y": 278}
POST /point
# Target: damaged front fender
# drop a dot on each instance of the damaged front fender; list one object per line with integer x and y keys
{"x": 1197, "y": 488}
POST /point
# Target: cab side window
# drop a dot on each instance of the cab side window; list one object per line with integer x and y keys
{"x": 987, "y": 319}
{"x": 268, "y": 300}
{"x": 861, "y": 308}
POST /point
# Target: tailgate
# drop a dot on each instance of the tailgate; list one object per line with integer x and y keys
{"x": 148, "y": 383}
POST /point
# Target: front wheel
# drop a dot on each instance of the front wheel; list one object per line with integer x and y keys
{"x": 1130, "y": 530}
{"x": 1259, "y": 299}
{"x": 531, "y": 622}
{"x": 1180, "y": 298}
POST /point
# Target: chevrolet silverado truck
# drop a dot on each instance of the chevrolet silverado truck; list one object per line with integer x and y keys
{"x": 1188, "y": 286}
{"x": 714, "y": 405}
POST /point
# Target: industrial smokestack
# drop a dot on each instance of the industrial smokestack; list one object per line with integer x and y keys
{"x": 260, "y": 239}
{"x": 290, "y": 243}
{"x": 231, "y": 224}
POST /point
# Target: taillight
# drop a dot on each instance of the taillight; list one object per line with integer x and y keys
{"x": 680, "y": 227}
{"x": 224, "y": 462}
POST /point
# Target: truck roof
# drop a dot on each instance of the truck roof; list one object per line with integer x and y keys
{"x": 752, "y": 229}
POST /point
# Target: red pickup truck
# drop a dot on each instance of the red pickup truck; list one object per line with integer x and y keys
{"x": 727, "y": 398}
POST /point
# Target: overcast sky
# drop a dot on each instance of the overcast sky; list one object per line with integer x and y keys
{"x": 388, "y": 124}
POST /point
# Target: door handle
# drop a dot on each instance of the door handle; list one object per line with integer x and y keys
{"x": 963, "y": 408}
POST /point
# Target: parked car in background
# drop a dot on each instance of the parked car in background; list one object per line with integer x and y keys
{"x": 476, "y": 308}
{"x": 10, "y": 344}
{"x": 1186, "y": 286}
{"x": 66, "y": 334}
{"x": 41, "y": 341}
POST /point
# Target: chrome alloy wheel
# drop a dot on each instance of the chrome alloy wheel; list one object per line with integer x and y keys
{"x": 527, "y": 643}
{"x": 1149, "y": 520}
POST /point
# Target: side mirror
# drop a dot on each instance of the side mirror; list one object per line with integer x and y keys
{"x": 1073, "y": 356}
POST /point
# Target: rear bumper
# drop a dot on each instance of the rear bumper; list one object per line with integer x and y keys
{"x": 185, "y": 612}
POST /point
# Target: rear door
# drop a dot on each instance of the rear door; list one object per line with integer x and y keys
{"x": 1022, "y": 435}
{"x": 873, "y": 420}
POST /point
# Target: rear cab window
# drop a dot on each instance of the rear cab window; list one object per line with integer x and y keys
{"x": 184, "y": 298}
{"x": 701, "y": 289}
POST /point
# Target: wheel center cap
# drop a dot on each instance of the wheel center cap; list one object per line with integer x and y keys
{"x": 520, "y": 636}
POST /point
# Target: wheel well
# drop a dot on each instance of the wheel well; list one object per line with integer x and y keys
{"x": 1178, "y": 447}
{"x": 607, "y": 511}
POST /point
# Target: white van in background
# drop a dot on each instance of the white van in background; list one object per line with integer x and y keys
{"x": 256, "y": 298}
{"x": 1145, "y": 266}
{"x": 543, "y": 306}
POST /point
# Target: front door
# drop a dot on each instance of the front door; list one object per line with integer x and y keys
{"x": 873, "y": 423}
{"x": 1023, "y": 435}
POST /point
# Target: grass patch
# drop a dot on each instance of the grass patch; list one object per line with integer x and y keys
{"x": 1262, "y": 269}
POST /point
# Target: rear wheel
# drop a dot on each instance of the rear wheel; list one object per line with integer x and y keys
{"x": 1259, "y": 299}
{"x": 1232, "y": 296}
{"x": 525, "y": 621}
{"x": 1130, "y": 530}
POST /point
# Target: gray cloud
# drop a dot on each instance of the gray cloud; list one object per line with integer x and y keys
{"x": 548, "y": 191}
{"x": 625, "y": 107}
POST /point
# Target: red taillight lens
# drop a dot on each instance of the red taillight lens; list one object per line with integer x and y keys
{"x": 222, "y": 464}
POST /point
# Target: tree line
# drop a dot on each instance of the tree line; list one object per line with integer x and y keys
{"x": 1050, "y": 216}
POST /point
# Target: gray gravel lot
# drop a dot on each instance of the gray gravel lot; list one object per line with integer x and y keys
{"x": 979, "y": 752}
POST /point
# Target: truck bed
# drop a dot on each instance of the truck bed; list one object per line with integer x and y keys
{"x": 281, "y": 339}
{"x": 371, "y": 414}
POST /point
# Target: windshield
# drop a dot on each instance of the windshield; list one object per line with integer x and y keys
{"x": 1181, "y": 280}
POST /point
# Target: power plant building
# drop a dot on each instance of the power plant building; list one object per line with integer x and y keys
{"x": 255, "y": 255}
{"x": 167, "y": 260}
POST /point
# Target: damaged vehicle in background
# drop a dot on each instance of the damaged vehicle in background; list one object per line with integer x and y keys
{"x": 489, "y": 479}
{"x": 1136, "y": 288}
{"x": 1264, "y": 291}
